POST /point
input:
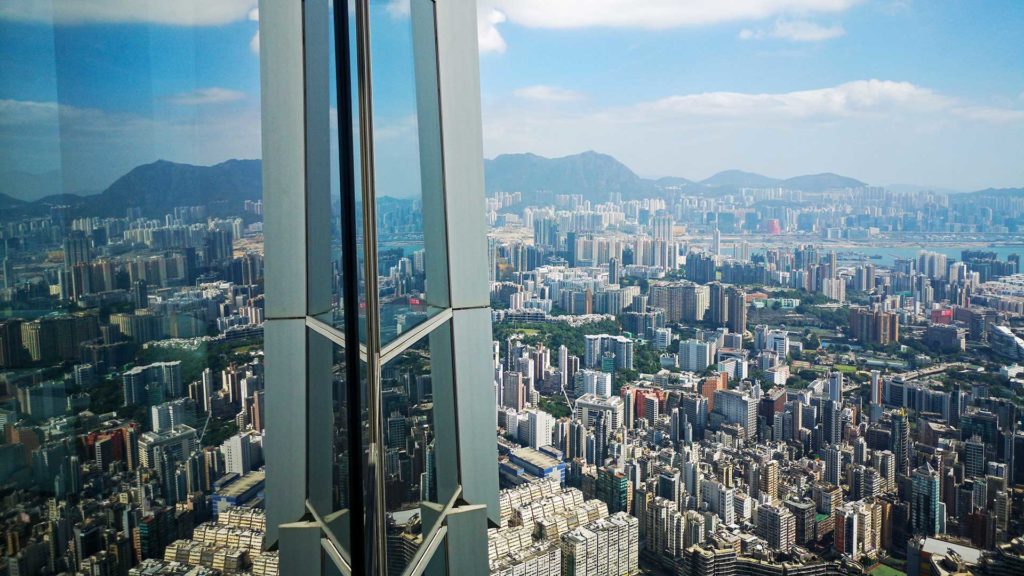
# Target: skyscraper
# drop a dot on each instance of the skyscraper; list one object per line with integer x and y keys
{"x": 927, "y": 512}
{"x": 737, "y": 318}
{"x": 718, "y": 304}
{"x": 876, "y": 388}
{"x": 833, "y": 465}
{"x": 777, "y": 525}
{"x": 832, "y": 423}
{"x": 901, "y": 441}
{"x": 736, "y": 407}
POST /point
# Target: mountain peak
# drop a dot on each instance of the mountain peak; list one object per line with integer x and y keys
{"x": 740, "y": 179}
{"x": 589, "y": 173}
{"x": 821, "y": 182}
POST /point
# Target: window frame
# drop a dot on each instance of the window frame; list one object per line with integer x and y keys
{"x": 294, "y": 48}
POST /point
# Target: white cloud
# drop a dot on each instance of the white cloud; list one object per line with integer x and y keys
{"x": 175, "y": 12}
{"x": 654, "y": 14}
{"x": 876, "y": 130}
{"x": 201, "y": 96}
{"x": 254, "y": 44}
{"x": 643, "y": 14}
{"x": 796, "y": 31}
{"x": 399, "y": 8}
{"x": 991, "y": 114}
{"x": 26, "y": 112}
{"x": 543, "y": 93}
{"x": 488, "y": 36}
{"x": 849, "y": 99}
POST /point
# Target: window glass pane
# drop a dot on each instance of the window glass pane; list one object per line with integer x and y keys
{"x": 332, "y": 374}
{"x": 131, "y": 302}
{"x": 345, "y": 176}
{"x": 407, "y": 171}
{"x": 412, "y": 446}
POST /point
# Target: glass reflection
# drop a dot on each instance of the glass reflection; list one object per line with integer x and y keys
{"x": 407, "y": 170}
{"x": 410, "y": 446}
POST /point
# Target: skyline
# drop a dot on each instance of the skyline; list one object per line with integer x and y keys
{"x": 886, "y": 92}
{"x": 300, "y": 334}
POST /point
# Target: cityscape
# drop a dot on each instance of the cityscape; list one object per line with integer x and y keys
{"x": 729, "y": 379}
{"x": 802, "y": 375}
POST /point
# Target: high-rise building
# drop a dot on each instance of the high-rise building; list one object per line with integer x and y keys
{"x": 179, "y": 442}
{"x": 694, "y": 355}
{"x": 12, "y": 352}
{"x": 169, "y": 414}
{"x": 874, "y": 326}
{"x": 539, "y": 426}
{"x": 901, "y": 441}
{"x": 847, "y": 532}
{"x": 737, "y": 317}
{"x": 613, "y": 488}
{"x": 152, "y": 384}
{"x": 593, "y": 382}
{"x": 876, "y": 388}
{"x": 718, "y": 304}
{"x": 835, "y": 386}
{"x": 597, "y": 345}
{"x": 769, "y": 479}
{"x": 589, "y": 406}
{"x": 605, "y": 546}
{"x": 736, "y": 407}
{"x": 719, "y": 499}
{"x": 927, "y": 511}
{"x": 238, "y": 457}
{"x": 695, "y": 408}
{"x": 833, "y": 465}
{"x": 513, "y": 393}
{"x": 804, "y": 515}
{"x": 974, "y": 457}
{"x": 832, "y": 422}
{"x": 777, "y": 525}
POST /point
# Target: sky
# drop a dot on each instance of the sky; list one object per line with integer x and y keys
{"x": 887, "y": 91}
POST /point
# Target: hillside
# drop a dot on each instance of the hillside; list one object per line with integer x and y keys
{"x": 591, "y": 174}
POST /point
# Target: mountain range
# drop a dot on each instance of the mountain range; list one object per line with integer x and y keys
{"x": 598, "y": 175}
{"x": 158, "y": 187}
{"x": 155, "y": 188}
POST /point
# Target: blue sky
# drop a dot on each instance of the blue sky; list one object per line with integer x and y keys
{"x": 926, "y": 93}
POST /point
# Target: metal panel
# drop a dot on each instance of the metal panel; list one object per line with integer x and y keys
{"x": 319, "y": 421}
{"x": 435, "y": 239}
{"x": 285, "y": 439}
{"x": 300, "y": 548}
{"x": 467, "y": 540}
{"x": 430, "y": 548}
{"x": 284, "y": 161}
{"x": 334, "y": 553}
{"x": 474, "y": 403}
{"x": 318, "y": 158}
{"x": 445, "y": 414}
{"x": 459, "y": 83}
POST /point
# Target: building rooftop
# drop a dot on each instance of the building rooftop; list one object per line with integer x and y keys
{"x": 244, "y": 484}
